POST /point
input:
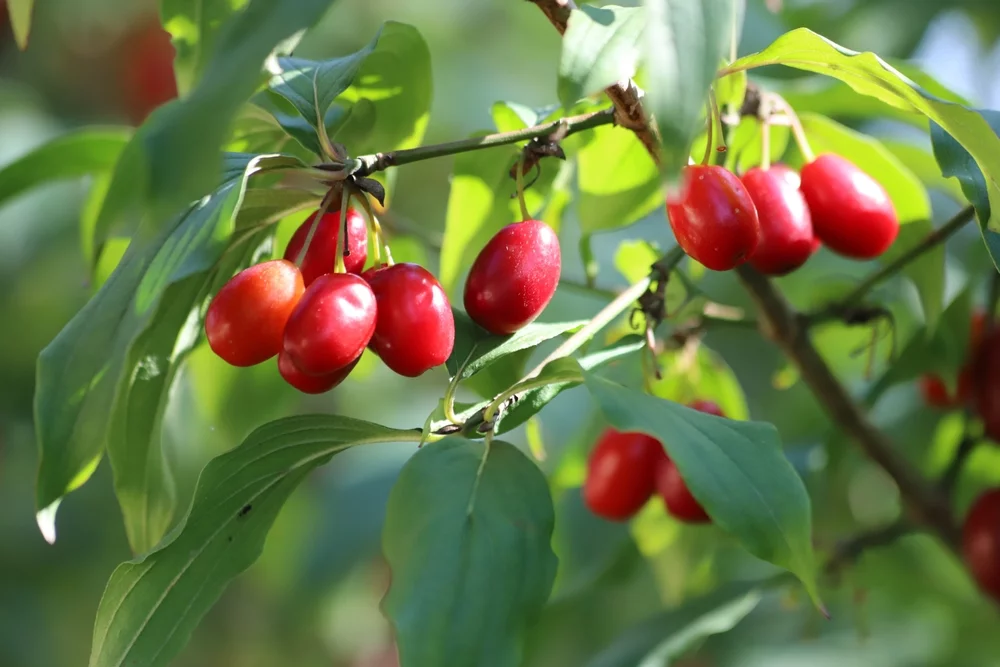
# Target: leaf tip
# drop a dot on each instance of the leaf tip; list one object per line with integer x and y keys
{"x": 823, "y": 610}
{"x": 46, "y": 520}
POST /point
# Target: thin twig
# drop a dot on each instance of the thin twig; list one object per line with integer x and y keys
{"x": 965, "y": 448}
{"x": 849, "y": 551}
{"x": 788, "y": 329}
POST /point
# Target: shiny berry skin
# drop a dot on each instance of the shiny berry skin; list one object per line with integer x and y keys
{"x": 312, "y": 384}
{"x": 709, "y": 407}
{"x": 714, "y": 218}
{"x": 981, "y": 542}
{"x": 246, "y": 319}
{"x": 676, "y": 496}
{"x": 332, "y": 324}
{"x": 621, "y": 474}
{"x": 514, "y": 277}
{"x": 786, "y": 233}
{"x": 415, "y": 330}
{"x": 851, "y": 212}
{"x": 322, "y": 255}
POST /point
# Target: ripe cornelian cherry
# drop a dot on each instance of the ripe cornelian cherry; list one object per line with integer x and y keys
{"x": 851, "y": 212}
{"x": 710, "y": 407}
{"x": 621, "y": 473}
{"x": 676, "y": 496}
{"x": 321, "y": 257}
{"x": 714, "y": 218}
{"x": 246, "y": 319}
{"x": 332, "y": 324}
{"x": 312, "y": 384}
{"x": 786, "y": 233}
{"x": 415, "y": 330}
{"x": 514, "y": 277}
{"x": 981, "y": 542}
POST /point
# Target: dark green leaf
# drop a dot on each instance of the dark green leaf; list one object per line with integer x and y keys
{"x": 600, "y": 47}
{"x": 79, "y": 373}
{"x": 656, "y": 641}
{"x": 194, "y": 26}
{"x": 78, "y": 153}
{"x": 735, "y": 469}
{"x": 685, "y": 44}
{"x": 152, "y": 604}
{"x": 20, "y": 20}
{"x": 467, "y": 536}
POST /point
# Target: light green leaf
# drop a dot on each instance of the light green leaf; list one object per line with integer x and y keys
{"x": 908, "y": 195}
{"x": 152, "y": 604}
{"x": 685, "y": 43}
{"x": 745, "y": 148}
{"x": 619, "y": 183}
{"x": 699, "y": 374}
{"x": 600, "y": 47}
{"x": 80, "y": 371}
{"x": 735, "y": 469}
{"x": 194, "y": 27}
{"x": 20, "y": 20}
{"x": 467, "y": 537}
{"x": 923, "y": 165}
{"x": 78, "y": 153}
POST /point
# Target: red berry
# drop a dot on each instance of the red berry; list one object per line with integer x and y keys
{"x": 245, "y": 321}
{"x": 147, "y": 73}
{"x": 713, "y": 218}
{"x": 709, "y": 407}
{"x": 312, "y": 384}
{"x": 322, "y": 255}
{"x": 981, "y": 542}
{"x": 935, "y": 393}
{"x": 851, "y": 212}
{"x": 676, "y": 495}
{"x": 514, "y": 277}
{"x": 786, "y": 233}
{"x": 621, "y": 473}
{"x": 332, "y": 324}
{"x": 416, "y": 329}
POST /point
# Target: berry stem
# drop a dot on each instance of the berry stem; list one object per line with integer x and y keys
{"x": 713, "y": 112}
{"x": 373, "y": 227}
{"x": 765, "y": 144}
{"x": 345, "y": 200}
{"x": 779, "y": 102}
{"x": 323, "y": 208}
{"x": 369, "y": 164}
{"x": 519, "y": 180}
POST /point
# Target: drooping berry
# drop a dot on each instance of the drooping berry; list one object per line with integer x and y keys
{"x": 981, "y": 542}
{"x": 713, "y": 217}
{"x": 246, "y": 319}
{"x": 416, "y": 329}
{"x": 312, "y": 384}
{"x": 321, "y": 257}
{"x": 621, "y": 473}
{"x": 332, "y": 324}
{"x": 787, "y": 239}
{"x": 851, "y": 211}
{"x": 514, "y": 277}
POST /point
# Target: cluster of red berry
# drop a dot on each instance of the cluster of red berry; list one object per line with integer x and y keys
{"x": 318, "y": 322}
{"x": 626, "y": 469}
{"x": 776, "y": 219}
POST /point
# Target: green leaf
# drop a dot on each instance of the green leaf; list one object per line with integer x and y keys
{"x": 194, "y": 26}
{"x": 80, "y": 372}
{"x": 20, "y": 20}
{"x": 868, "y": 74}
{"x": 684, "y": 45}
{"x": 467, "y": 536}
{"x": 745, "y": 148}
{"x": 476, "y": 209}
{"x": 478, "y": 349}
{"x": 600, "y": 47}
{"x": 152, "y": 604}
{"x": 659, "y": 639}
{"x": 923, "y": 165}
{"x": 956, "y": 161}
{"x": 619, "y": 183}
{"x": 735, "y": 469}
{"x": 703, "y": 375}
{"x": 79, "y": 153}
{"x": 908, "y": 195}
{"x": 174, "y": 158}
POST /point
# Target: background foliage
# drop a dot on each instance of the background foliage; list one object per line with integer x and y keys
{"x": 312, "y": 598}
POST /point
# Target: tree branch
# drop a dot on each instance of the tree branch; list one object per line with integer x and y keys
{"x": 788, "y": 329}
{"x": 370, "y": 164}
{"x": 849, "y": 551}
{"x": 625, "y": 95}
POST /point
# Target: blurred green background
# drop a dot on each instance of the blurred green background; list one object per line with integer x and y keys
{"x": 312, "y": 599}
